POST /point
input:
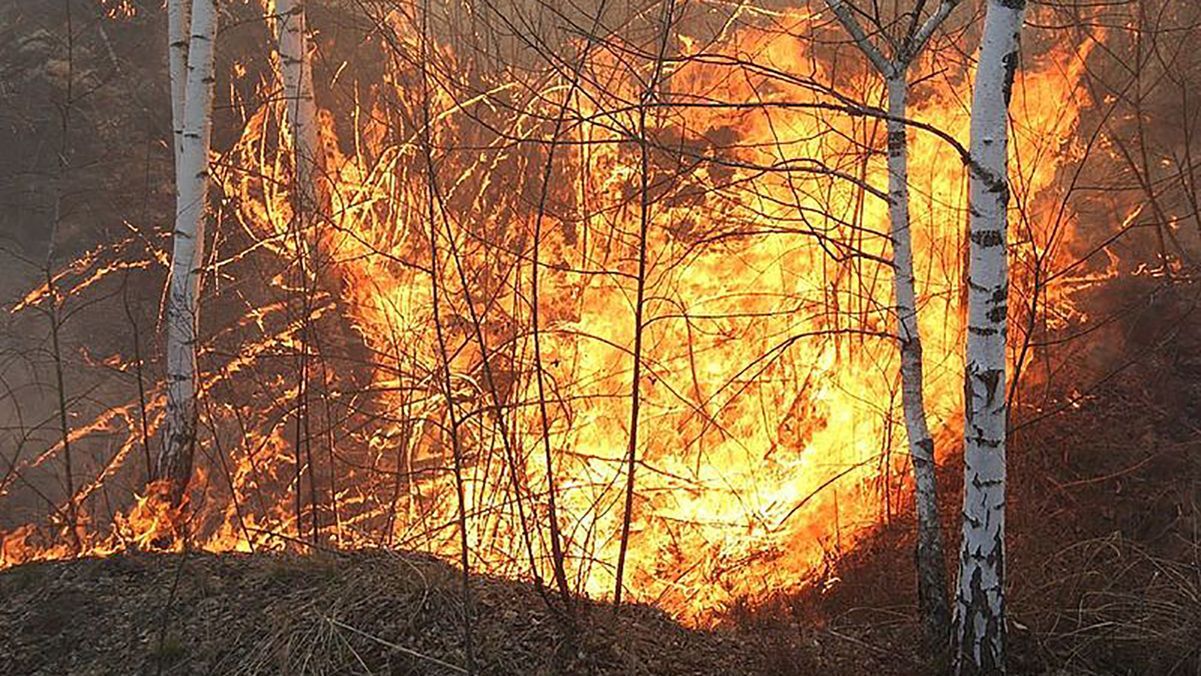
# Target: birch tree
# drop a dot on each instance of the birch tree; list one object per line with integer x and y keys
{"x": 301, "y": 133}
{"x": 300, "y": 116}
{"x": 979, "y": 626}
{"x": 931, "y": 571}
{"x": 192, "y": 29}
{"x": 179, "y": 22}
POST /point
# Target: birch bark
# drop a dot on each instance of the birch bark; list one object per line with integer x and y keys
{"x": 979, "y": 624}
{"x": 932, "y": 578}
{"x": 300, "y": 116}
{"x": 301, "y": 132}
{"x": 192, "y": 185}
{"x": 931, "y": 562}
{"x": 178, "y": 21}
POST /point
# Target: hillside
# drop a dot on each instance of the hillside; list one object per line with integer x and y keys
{"x": 367, "y": 612}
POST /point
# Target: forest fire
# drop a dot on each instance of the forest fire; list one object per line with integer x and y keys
{"x": 444, "y": 333}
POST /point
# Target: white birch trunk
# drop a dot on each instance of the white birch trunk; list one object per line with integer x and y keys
{"x": 300, "y": 116}
{"x": 931, "y": 571}
{"x": 178, "y": 21}
{"x": 192, "y": 185}
{"x": 302, "y": 134}
{"x": 979, "y": 627}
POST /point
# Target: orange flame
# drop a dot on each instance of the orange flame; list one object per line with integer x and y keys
{"x": 770, "y": 437}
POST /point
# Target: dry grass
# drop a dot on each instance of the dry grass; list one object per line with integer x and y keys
{"x": 1133, "y": 611}
{"x": 362, "y": 613}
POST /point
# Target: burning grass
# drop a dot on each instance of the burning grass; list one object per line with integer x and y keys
{"x": 769, "y": 454}
{"x": 1103, "y": 565}
{"x": 768, "y": 426}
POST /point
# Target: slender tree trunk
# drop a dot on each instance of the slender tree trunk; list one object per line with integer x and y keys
{"x": 192, "y": 185}
{"x": 979, "y": 631}
{"x": 300, "y": 123}
{"x": 178, "y": 22}
{"x": 931, "y": 567}
{"x": 644, "y": 218}
{"x": 436, "y": 289}
{"x": 301, "y": 113}
{"x": 933, "y": 606}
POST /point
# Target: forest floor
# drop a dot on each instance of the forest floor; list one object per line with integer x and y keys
{"x": 363, "y": 612}
{"x": 1102, "y": 565}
